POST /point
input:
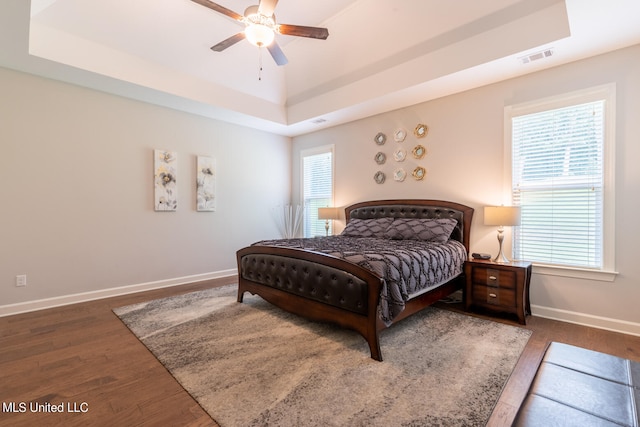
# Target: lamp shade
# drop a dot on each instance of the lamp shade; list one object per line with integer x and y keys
{"x": 328, "y": 213}
{"x": 502, "y": 215}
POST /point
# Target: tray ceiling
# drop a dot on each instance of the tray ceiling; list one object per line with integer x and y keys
{"x": 380, "y": 55}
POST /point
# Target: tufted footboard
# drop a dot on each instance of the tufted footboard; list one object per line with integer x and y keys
{"x": 309, "y": 280}
{"x": 314, "y": 285}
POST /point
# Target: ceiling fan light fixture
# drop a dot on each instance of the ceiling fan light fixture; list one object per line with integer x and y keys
{"x": 261, "y": 28}
{"x": 259, "y": 35}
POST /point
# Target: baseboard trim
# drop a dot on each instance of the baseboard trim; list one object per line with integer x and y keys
{"x": 28, "y": 306}
{"x": 583, "y": 319}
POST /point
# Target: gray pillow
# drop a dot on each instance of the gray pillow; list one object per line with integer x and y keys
{"x": 431, "y": 229}
{"x": 375, "y": 227}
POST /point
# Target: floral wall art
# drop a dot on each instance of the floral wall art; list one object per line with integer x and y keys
{"x": 165, "y": 189}
{"x": 205, "y": 184}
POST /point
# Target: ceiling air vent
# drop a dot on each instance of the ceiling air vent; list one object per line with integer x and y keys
{"x": 535, "y": 56}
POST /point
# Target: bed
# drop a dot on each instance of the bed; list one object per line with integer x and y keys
{"x": 383, "y": 278}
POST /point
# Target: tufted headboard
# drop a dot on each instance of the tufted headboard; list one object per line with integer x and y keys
{"x": 416, "y": 208}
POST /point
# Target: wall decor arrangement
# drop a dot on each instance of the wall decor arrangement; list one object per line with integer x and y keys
{"x": 165, "y": 189}
{"x": 418, "y": 152}
{"x": 205, "y": 184}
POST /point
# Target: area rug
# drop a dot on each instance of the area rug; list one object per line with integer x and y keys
{"x": 252, "y": 364}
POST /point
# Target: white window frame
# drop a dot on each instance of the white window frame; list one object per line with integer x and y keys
{"x": 608, "y": 94}
{"x": 312, "y": 152}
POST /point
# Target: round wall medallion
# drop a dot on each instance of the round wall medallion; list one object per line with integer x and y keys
{"x": 399, "y": 175}
{"x": 400, "y": 135}
{"x": 400, "y": 154}
{"x": 419, "y": 173}
{"x": 418, "y": 151}
{"x": 379, "y": 177}
{"x": 380, "y": 138}
{"x": 380, "y": 158}
{"x": 421, "y": 131}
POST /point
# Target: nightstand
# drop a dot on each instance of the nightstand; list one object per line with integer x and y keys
{"x": 500, "y": 287}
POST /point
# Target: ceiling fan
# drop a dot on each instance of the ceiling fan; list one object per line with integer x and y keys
{"x": 260, "y": 28}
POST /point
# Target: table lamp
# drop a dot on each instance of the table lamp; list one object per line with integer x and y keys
{"x": 502, "y": 216}
{"x": 328, "y": 214}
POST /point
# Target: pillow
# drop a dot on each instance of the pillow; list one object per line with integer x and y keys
{"x": 428, "y": 229}
{"x": 375, "y": 227}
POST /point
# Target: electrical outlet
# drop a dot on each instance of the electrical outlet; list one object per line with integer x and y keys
{"x": 21, "y": 280}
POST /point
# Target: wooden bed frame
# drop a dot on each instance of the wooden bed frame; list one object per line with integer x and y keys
{"x": 325, "y": 288}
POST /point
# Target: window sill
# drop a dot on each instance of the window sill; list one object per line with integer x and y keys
{"x": 577, "y": 273}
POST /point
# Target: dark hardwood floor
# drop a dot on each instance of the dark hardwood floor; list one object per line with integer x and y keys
{"x": 545, "y": 331}
{"x": 82, "y": 356}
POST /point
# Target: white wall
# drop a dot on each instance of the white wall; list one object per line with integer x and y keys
{"x": 465, "y": 164}
{"x": 76, "y": 168}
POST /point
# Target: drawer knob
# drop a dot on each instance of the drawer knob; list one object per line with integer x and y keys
{"x": 493, "y": 295}
{"x": 493, "y": 278}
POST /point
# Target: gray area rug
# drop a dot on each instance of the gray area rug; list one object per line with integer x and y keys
{"x": 252, "y": 364}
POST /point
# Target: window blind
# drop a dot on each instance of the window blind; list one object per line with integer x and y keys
{"x": 558, "y": 180}
{"x": 317, "y": 191}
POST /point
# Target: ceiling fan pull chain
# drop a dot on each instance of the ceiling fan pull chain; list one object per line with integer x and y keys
{"x": 260, "y": 63}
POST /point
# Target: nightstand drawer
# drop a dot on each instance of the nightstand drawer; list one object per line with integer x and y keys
{"x": 492, "y": 295}
{"x": 494, "y": 277}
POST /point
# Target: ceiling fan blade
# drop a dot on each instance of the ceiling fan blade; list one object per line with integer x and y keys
{"x": 228, "y": 42}
{"x": 301, "y": 31}
{"x": 220, "y": 9}
{"x": 277, "y": 54}
{"x": 266, "y": 7}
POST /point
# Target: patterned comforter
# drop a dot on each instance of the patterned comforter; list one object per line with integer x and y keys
{"x": 408, "y": 267}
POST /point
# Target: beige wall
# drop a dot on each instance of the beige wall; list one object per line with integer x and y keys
{"x": 465, "y": 164}
{"x": 76, "y": 168}
{"x": 76, "y": 173}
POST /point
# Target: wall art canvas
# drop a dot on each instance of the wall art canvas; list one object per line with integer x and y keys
{"x": 205, "y": 184}
{"x": 165, "y": 189}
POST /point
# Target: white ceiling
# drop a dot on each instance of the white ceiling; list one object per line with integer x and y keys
{"x": 380, "y": 55}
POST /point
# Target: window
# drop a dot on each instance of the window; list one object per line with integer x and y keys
{"x": 561, "y": 176}
{"x": 317, "y": 188}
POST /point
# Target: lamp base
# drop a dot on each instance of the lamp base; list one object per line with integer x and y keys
{"x": 500, "y": 258}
